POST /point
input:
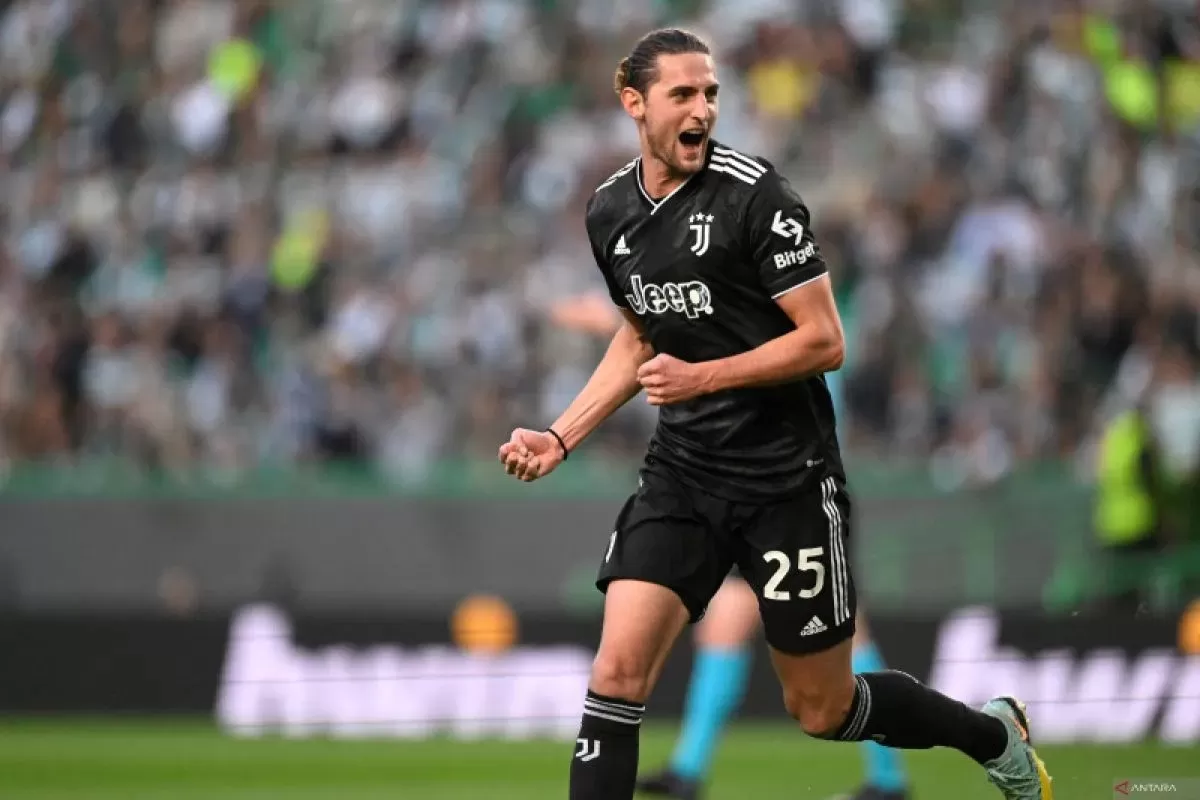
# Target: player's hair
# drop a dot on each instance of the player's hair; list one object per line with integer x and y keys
{"x": 639, "y": 69}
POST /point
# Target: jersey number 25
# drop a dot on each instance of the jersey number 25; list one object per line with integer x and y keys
{"x": 805, "y": 562}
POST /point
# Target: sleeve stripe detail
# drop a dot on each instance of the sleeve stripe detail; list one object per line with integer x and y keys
{"x": 732, "y": 171}
{"x": 734, "y": 157}
{"x": 778, "y": 295}
{"x": 725, "y": 161}
{"x": 623, "y": 171}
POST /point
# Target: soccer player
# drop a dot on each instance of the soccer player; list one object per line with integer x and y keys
{"x": 730, "y": 324}
{"x": 721, "y": 669}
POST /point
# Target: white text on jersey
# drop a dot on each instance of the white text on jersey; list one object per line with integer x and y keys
{"x": 690, "y": 298}
{"x": 795, "y": 257}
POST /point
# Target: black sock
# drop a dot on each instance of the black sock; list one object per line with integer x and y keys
{"x": 606, "y": 752}
{"x": 896, "y": 710}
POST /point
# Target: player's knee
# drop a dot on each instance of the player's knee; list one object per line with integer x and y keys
{"x": 621, "y": 675}
{"x": 820, "y": 710}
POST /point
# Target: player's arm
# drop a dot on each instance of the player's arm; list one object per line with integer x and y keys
{"x": 788, "y": 264}
{"x": 613, "y": 383}
{"x": 589, "y": 313}
{"x": 815, "y": 347}
{"x": 529, "y": 455}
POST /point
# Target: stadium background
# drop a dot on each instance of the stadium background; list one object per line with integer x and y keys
{"x": 277, "y": 278}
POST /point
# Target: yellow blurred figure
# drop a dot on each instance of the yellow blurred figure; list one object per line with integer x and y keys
{"x": 234, "y": 67}
{"x": 783, "y": 89}
{"x": 297, "y": 252}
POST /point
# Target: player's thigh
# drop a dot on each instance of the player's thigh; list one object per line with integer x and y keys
{"x": 664, "y": 535}
{"x": 794, "y": 556}
{"x": 642, "y": 622}
{"x": 732, "y": 618}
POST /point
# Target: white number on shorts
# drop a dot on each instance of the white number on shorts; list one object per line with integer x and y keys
{"x": 806, "y": 562}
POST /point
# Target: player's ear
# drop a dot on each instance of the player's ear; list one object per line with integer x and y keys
{"x": 633, "y": 102}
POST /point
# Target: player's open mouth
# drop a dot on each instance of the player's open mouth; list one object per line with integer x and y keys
{"x": 692, "y": 138}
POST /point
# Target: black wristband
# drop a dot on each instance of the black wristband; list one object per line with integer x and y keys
{"x": 561, "y": 443}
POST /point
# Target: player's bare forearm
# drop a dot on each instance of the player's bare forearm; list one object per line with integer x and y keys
{"x": 803, "y": 353}
{"x": 613, "y": 384}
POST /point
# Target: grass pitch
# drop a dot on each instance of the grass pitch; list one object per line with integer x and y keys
{"x": 189, "y": 760}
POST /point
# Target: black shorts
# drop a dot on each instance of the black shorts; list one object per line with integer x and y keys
{"x": 792, "y": 552}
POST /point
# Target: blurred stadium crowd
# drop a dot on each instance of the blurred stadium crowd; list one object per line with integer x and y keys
{"x": 238, "y": 232}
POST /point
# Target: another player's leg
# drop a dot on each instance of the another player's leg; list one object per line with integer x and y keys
{"x": 718, "y": 683}
{"x": 884, "y": 768}
{"x": 808, "y": 607}
{"x": 641, "y": 623}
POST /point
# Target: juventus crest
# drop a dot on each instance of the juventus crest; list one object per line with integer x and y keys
{"x": 700, "y": 225}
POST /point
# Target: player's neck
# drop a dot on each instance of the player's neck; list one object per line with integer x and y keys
{"x": 658, "y": 180}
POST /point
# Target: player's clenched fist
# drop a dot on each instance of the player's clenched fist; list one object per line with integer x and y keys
{"x": 668, "y": 380}
{"x": 530, "y": 454}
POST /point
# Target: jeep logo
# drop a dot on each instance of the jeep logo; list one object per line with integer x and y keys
{"x": 690, "y": 298}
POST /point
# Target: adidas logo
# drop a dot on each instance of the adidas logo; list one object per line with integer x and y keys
{"x": 814, "y": 626}
{"x": 621, "y": 249}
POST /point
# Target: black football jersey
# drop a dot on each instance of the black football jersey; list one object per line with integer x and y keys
{"x": 702, "y": 269}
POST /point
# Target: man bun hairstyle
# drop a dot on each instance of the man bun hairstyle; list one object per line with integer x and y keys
{"x": 621, "y": 78}
{"x": 639, "y": 69}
